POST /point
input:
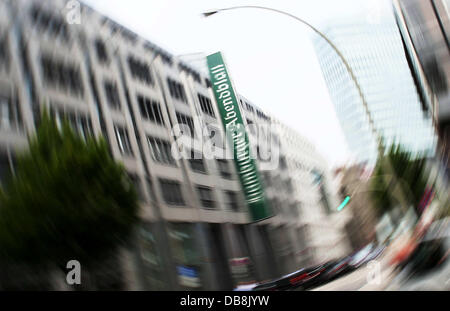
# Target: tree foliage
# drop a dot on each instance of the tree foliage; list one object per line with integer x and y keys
{"x": 68, "y": 199}
{"x": 410, "y": 177}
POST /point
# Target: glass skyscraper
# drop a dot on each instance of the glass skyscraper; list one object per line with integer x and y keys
{"x": 375, "y": 52}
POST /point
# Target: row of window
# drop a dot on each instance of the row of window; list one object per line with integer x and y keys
{"x": 45, "y": 21}
{"x": 162, "y": 153}
{"x": 62, "y": 75}
{"x": 196, "y": 162}
{"x": 278, "y": 182}
{"x": 79, "y": 122}
{"x": 140, "y": 70}
{"x": 172, "y": 195}
{"x": 262, "y": 115}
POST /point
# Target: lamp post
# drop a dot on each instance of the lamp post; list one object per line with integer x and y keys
{"x": 374, "y": 131}
{"x": 322, "y": 35}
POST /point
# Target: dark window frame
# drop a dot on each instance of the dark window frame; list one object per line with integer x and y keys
{"x": 206, "y": 105}
{"x": 161, "y": 151}
{"x": 140, "y": 70}
{"x": 171, "y": 192}
{"x": 176, "y": 90}
{"x": 207, "y": 201}
{"x": 225, "y": 173}
{"x": 232, "y": 200}
{"x": 150, "y": 110}
{"x": 197, "y": 164}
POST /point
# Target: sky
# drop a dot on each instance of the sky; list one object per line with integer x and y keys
{"x": 270, "y": 56}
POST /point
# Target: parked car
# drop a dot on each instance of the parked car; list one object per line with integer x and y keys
{"x": 320, "y": 276}
{"x": 431, "y": 251}
{"x": 300, "y": 279}
{"x": 375, "y": 253}
{"x": 278, "y": 284}
{"x": 337, "y": 270}
{"x": 360, "y": 257}
{"x": 310, "y": 277}
{"x": 246, "y": 287}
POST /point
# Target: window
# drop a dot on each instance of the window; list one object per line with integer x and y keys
{"x": 231, "y": 199}
{"x": 60, "y": 75}
{"x": 9, "y": 114}
{"x": 112, "y": 94}
{"x": 206, "y": 197}
{"x": 140, "y": 70}
{"x": 123, "y": 140}
{"x": 184, "y": 119}
{"x": 196, "y": 162}
{"x": 150, "y": 109}
{"x": 102, "y": 54}
{"x": 205, "y": 104}
{"x": 161, "y": 150}
{"x": 176, "y": 90}
{"x": 171, "y": 191}
{"x": 47, "y": 22}
{"x": 78, "y": 122}
{"x": 224, "y": 168}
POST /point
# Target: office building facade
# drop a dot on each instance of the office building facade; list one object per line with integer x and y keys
{"x": 195, "y": 231}
{"x": 425, "y": 29}
{"x": 376, "y": 55}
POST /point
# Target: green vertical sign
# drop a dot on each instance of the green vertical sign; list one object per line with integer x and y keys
{"x": 237, "y": 135}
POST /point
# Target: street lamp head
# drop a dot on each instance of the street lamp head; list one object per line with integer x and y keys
{"x": 207, "y": 14}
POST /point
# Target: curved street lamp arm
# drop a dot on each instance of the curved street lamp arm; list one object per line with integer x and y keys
{"x": 338, "y": 52}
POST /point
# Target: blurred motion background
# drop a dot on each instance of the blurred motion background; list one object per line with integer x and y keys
{"x": 192, "y": 229}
